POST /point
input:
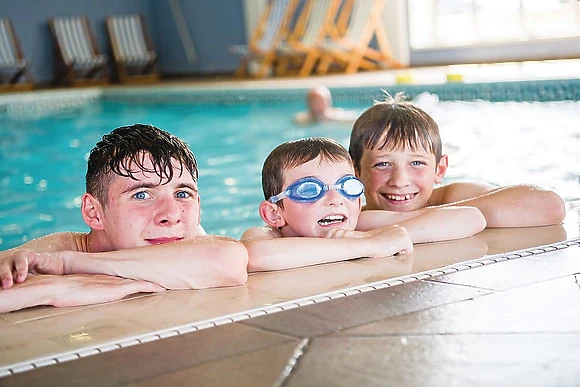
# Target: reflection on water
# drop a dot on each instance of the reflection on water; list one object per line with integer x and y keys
{"x": 44, "y": 159}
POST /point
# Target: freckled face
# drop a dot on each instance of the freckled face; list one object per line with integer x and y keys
{"x": 331, "y": 211}
{"x": 144, "y": 212}
{"x": 401, "y": 179}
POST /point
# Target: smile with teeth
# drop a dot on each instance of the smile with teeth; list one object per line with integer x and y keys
{"x": 399, "y": 198}
{"x": 332, "y": 219}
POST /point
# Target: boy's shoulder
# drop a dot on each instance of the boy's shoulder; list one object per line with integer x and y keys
{"x": 264, "y": 232}
{"x": 458, "y": 191}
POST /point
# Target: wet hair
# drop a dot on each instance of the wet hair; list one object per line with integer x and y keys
{"x": 128, "y": 147}
{"x": 394, "y": 124}
{"x": 292, "y": 154}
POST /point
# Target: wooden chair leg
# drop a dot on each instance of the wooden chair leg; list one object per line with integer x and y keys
{"x": 241, "y": 71}
{"x": 324, "y": 64}
{"x": 308, "y": 64}
{"x": 354, "y": 62}
{"x": 282, "y": 67}
{"x": 265, "y": 65}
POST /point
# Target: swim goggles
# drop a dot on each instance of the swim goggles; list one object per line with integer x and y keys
{"x": 311, "y": 189}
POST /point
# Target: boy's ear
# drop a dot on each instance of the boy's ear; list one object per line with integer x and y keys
{"x": 270, "y": 213}
{"x": 92, "y": 212}
{"x": 441, "y": 169}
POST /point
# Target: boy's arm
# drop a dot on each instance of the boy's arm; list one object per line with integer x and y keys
{"x": 510, "y": 206}
{"x": 203, "y": 262}
{"x": 73, "y": 290}
{"x": 267, "y": 250}
{"x": 428, "y": 224}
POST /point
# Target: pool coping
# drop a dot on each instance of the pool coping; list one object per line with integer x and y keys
{"x": 62, "y": 357}
{"x": 47, "y": 101}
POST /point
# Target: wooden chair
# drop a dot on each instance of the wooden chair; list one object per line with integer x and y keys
{"x": 352, "y": 49}
{"x": 133, "y": 51}
{"x": 77, "y": 58}
{"x": 272, "y": 28}
{"x": 313, "y": 25}
{"x": 14, "y": 67}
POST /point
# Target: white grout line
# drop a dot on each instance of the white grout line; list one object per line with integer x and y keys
{"x": 287, "y": 305}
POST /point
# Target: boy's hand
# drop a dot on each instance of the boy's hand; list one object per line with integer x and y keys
{"x": 15, "y": 268}
{"x": 393, "y": 239}
{"x": 385, "y": 241}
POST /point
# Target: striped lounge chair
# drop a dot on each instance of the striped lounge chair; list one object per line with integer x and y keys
{"x": 314, "y": 23}
{"x": 272, "y": 28}
{"x": 353, "y": 48}
{"x": 133, "y": 52}
{"x": 14, "y": 68}
{"x": 77, "y": 58}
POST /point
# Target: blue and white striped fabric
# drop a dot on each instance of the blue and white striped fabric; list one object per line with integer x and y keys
{"x": 75, "y": 42}
{"x": 273, "y": 24}
{"x": 9, "y": 61}
{"x": 361, "y": 13}
{"x": 130, "y": 42}
{"x": 314, "y": 24}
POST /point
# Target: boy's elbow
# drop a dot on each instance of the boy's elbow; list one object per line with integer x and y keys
{"x": 555, "y": 208}
{"x": 227, "y": 266}
{"x": 234, "y": 262}
{"x": 479, "y": 223}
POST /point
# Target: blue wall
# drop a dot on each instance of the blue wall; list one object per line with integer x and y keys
{"x": 214, "y": 26}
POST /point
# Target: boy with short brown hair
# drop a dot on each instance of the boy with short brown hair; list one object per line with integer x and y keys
{"x": 397, "y": 153}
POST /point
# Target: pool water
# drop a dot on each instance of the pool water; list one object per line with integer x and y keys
{"x": 43, "y": 159}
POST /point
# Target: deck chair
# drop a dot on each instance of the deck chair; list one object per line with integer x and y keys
{"x": 133, "y": 52}
{"x": 312, "y": 27}
{"x": 352, "y": 49}
{"x": 14, "y": 68}
{"x": 77, "y": 58}
{"x": 272, "y": 28}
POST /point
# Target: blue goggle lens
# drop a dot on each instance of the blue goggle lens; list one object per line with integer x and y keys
{"x": 310, "y": 189}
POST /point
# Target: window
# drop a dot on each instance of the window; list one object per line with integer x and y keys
{"x": 469, "y": 24}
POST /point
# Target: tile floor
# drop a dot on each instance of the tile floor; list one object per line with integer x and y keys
{"x": 514, "y": 322}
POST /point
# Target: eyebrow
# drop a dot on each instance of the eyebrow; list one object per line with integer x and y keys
{"x": 140, "y": 185}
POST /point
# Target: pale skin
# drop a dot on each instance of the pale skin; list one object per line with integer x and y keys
{"x": 403, "y": 180}
{"x": 146, "y": 232}
{"x": 301, "y": 234}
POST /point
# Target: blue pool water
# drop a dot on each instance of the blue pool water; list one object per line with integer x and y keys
{"x": 43, "y": 159}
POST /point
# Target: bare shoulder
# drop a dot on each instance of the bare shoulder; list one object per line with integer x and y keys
{"x": 264, "y": 232}
{"x": 62, "y": 241}
{"x": 458, "y": 191}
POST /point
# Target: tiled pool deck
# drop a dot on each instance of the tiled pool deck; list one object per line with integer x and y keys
{"x": 502, "y": 318}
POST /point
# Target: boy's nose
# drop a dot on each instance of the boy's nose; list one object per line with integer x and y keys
{"x": 169, "y": 212}
{"x": 333, "y": 197}
{"x": 399, "y": 178}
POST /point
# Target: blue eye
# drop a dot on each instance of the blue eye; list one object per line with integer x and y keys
{"x": 182, "y": 195}
{"x": 417, "y": 163}
{"x": 142, "y": 195}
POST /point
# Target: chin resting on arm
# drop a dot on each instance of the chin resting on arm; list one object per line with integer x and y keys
{"x": 268, "y": 251}
{"x": 428, "y": 224}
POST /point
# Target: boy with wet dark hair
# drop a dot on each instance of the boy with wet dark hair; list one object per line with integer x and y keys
{"x": 397, "y": 153}
{"x": 143, "y": 208}
{"x": 312, "y": 211}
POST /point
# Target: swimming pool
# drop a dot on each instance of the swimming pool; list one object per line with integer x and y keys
{"x": 43, "y": 156}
